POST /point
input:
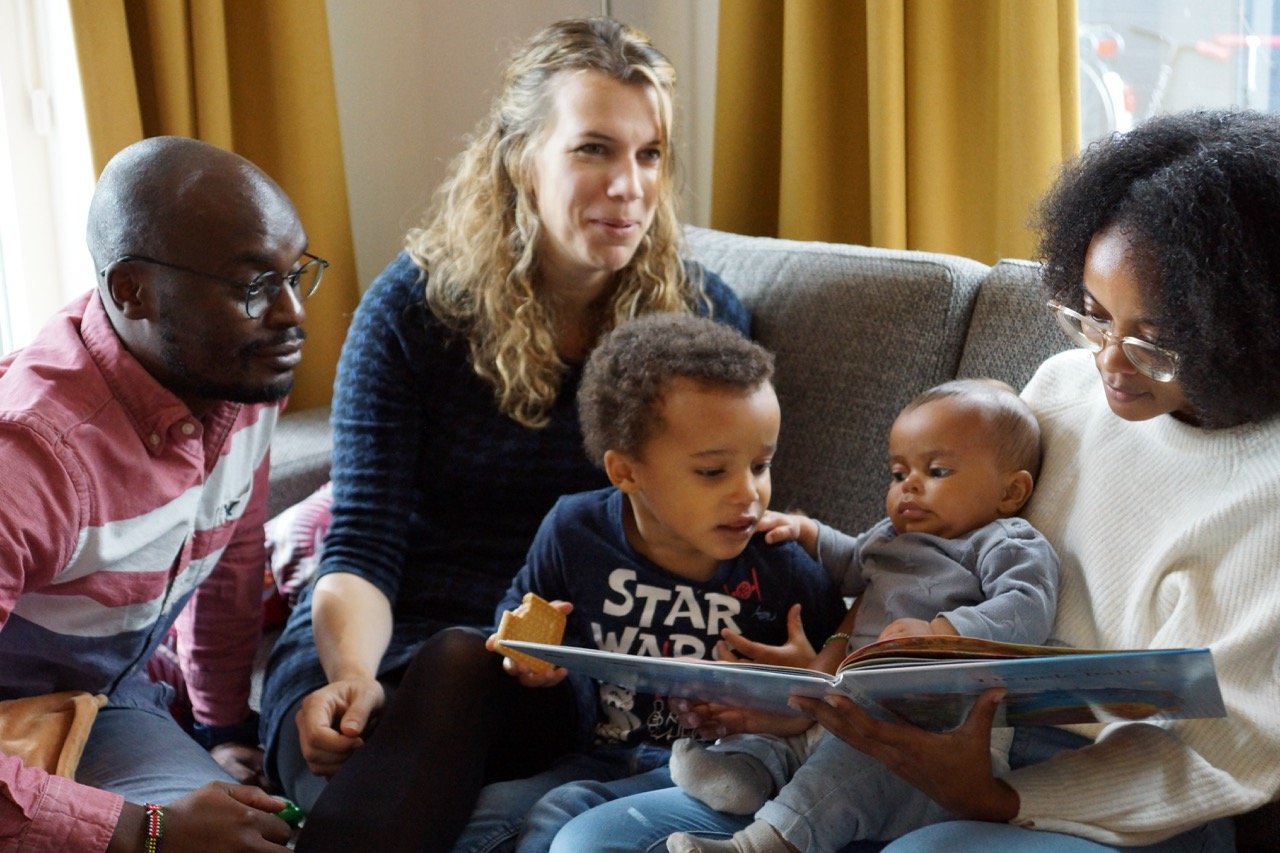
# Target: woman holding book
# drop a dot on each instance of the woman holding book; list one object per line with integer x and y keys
{"x": 1158, "y": 489}
{"x": 455, "y": 431}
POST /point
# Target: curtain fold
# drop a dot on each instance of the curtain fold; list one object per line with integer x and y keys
{"x": 913, "y": 124}
{"x": 248, "y": 76}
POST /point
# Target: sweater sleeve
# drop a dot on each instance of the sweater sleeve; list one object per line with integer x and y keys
{"x": 1141, "y": 783}
{"x": 841, "y": 555}
{"x": 725, "y": 306}
{"x": 1018, "y": 571}
{"x": 379, "y": 410}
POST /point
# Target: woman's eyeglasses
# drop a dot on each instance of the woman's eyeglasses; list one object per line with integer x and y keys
{"x": 1156, "y": 362}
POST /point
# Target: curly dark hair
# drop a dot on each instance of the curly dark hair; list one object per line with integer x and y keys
{"x": 627, "y": 375}
{"x": 1197, "y": 194}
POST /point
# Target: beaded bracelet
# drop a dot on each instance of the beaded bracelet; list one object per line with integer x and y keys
{"x": 838, "y": 635}
{"x": 155, "y": 827}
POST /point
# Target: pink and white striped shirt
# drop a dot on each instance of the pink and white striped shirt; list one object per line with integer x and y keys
{"x": 121, "y": 513}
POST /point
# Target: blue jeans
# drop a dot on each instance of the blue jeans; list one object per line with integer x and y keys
{"x": 145, "y": 757}
{"x": 525, "y": 814}
{"x": 643, "y": 822}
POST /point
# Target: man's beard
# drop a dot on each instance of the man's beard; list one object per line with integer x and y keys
{"x": 191, "y": 385}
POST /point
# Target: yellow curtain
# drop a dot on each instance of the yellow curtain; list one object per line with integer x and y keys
{"x": 915, "y": 124}
{"x": 252, "y": 77}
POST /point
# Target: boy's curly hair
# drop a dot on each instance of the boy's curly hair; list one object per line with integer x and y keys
{"x": 1198, "y": 196}
{"x": 626, "y": 376}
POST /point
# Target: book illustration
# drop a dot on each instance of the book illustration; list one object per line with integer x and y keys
{"x": 932, "y": 682}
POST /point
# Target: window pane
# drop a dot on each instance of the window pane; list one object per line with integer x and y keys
{"x": 46, "y": 173}
{"x": 1140, "y": 58}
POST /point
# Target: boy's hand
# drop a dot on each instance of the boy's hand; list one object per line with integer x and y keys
{"x": 788, "y": 527}
{"x": 711, "y": 720}
{"x": 796, "y": 651}
{"x": 527, "y": 676}
{"x": 530, "y": 678}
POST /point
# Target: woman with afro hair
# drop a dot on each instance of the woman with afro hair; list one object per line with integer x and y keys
{"x": 1159, "y": 488}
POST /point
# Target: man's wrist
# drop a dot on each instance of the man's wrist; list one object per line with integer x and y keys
{"x": 245, "y": 731}
{"x": 154, "y": 828}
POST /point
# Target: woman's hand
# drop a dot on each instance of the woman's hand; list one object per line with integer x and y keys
{"x": 953, "y": 768}
{"x": 796, "y": 651}
{"x": 218, "y": 816}
{"x": 332, "y": 721}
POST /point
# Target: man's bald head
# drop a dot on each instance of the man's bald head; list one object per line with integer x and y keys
{"x": 179, "y": 230}
{"x": 162, "y": 187}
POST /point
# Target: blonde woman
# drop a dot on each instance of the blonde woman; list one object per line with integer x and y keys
{"x": 455, "y": 431}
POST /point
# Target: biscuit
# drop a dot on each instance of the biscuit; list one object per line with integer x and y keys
{"x": 535, "y": 621}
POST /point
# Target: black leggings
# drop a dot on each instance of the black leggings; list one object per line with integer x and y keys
{"x": 455, "y": 723}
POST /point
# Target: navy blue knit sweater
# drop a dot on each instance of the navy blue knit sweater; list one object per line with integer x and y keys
{"x": 437, "y": 495}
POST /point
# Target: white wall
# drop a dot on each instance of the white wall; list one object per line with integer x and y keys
{"x": 414, "y": 76}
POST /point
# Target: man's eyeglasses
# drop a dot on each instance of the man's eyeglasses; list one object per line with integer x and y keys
{"x": 263, "y": 289}
{"x": 1156, "y": 362}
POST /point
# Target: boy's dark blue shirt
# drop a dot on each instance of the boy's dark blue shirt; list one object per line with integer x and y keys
{"x": 624, "y": 602}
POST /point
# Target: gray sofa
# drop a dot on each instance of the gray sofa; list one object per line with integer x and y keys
{"x": 856, "y": 332}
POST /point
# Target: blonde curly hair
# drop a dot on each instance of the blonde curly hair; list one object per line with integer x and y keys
{"x": 479, "y": 243}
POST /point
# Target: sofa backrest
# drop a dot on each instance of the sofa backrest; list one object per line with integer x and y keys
{"x": 857, "y": 332}
{"x": 1011, "y": 330}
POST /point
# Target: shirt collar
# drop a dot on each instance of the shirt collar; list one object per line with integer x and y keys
{"x": 156, "y": 413}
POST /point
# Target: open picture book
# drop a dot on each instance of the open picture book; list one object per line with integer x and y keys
{"x": 933, "y": 681}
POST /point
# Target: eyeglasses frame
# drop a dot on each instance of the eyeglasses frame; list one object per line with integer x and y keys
{"x": 1110, "y": 337}
{"x": 246, "y": 288}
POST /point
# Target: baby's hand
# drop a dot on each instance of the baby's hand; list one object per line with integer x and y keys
{"x": 789, "y": 527}
{"x": 918, "y": 628}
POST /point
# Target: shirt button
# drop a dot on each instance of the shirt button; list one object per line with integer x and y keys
{"x": 188, "y": 428}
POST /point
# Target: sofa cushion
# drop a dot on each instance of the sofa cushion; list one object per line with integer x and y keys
{"x": 1011, "y": 331}
{"x": 857, "y": 332}
{"x": 300, "y": 454}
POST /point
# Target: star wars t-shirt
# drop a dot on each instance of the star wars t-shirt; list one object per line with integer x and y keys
{"x": 624, "y": 602}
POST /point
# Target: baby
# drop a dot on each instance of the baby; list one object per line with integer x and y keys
{"x": 950, "y": 558}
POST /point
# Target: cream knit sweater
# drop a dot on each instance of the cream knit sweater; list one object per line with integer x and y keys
{"x": 1169, "y": 536}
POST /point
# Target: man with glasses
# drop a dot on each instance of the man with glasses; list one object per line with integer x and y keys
{"x": 134, "y": 433}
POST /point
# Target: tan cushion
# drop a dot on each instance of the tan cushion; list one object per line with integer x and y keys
{"x": 49, "y": 731}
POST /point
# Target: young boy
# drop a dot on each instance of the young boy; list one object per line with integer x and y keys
{"x": 950, "y": 558}
{"x": 681, "y": 414}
